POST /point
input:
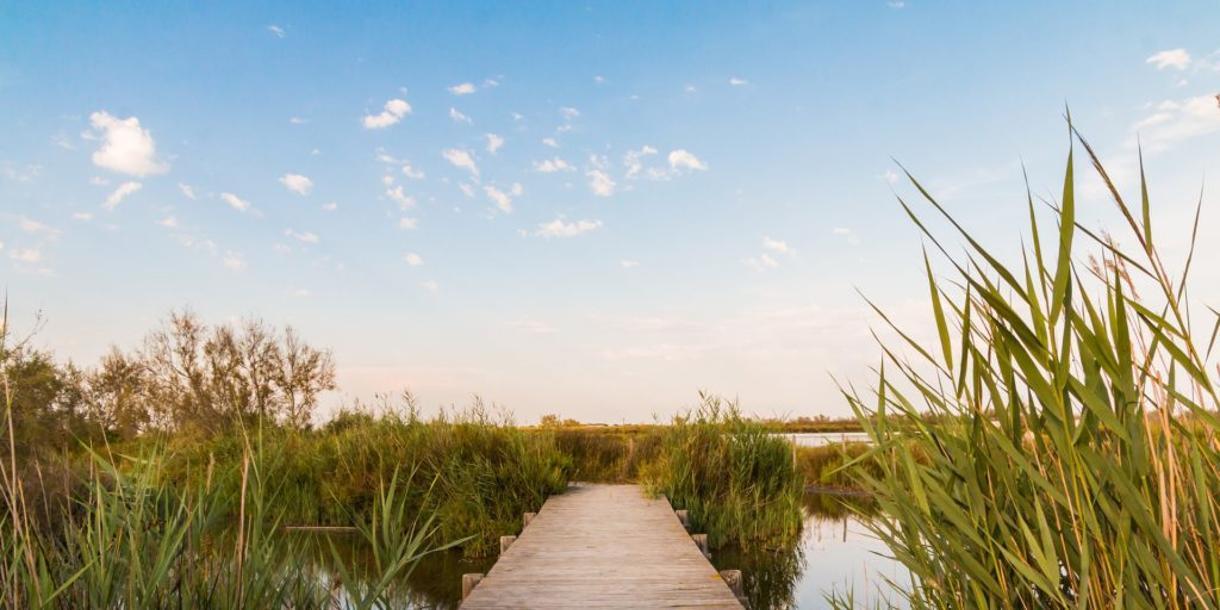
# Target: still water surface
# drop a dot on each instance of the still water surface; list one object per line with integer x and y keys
{"x": 836, "y": 553}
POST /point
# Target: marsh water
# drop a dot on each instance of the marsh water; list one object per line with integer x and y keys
{"x": 835, "y": 554}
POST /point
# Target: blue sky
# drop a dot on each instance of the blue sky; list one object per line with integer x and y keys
{"x": 593, "y": 209}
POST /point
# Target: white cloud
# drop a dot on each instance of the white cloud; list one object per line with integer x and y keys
{"x": 490, "y": 83}
{"x": 19, "y": 173}
{"x": 411, "y": 172}
{"x": 235, "y": 202}
{"x": 550, "y": 142}
{"x": 82, "y": 216}
{"x": 234, "y": 261}
{"x": 634, "y": 160}
{"x": 847, "y": 234}
{"x": 98, "y": 181}
{"x": 400, "y": 197}
{"x": 458, "y": 117}
{"x": 550, "y": 166}
{"x": 126, "y": 147}
{"x": 896, "y": 4}
{"x": 891, "y": 176}
{"x": 504, "y": 200}
{"x": 276, "y": 31}
{"x": 305, "y": 237}
{"x": 561, "y": 228}
{"x": 461, "y": 159}
{"x": 297, "y": 183}
{"x": 599, "y": 79}
{"x": 569, "y": 113}
{"x": 26, "y": 255}
{"x": 394, "y": 112}
{"x": 762, "y": 262}
{"x": 330, "y": 206}
{"x": 407, "y": 223}
{"x": 462, "y": 89}
{"x": 413, "y": 259}
{"x": 296, "y": 120}
{"x": 628, "y": 264}
{"x": 1176, "y": 121}
{"x": 682, "y": 159}
{"x": 168, "y": 222}
{"x": 1178, "y": 59}
{"x": 600, "y": 182}
{"x": 430, "y": 286}
{"x": 33, "y": 227}
{"x": 776, "y": 245}
{"x": 122, "y": 192}
{"x": 187, "y": 191}
{"x": 494, "y": 142}
{"x": 738, "y": 82}
{"x": 466, "y": 189}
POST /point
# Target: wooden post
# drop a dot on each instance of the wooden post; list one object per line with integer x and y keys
{"x": 526, "y": 518}
{"x": 505, "y": 542}
{"x": 469, "y": 581}
{"x": 734, "y": 580}
{"x": 701, "y": 542}
{"x": 683, "y": 516}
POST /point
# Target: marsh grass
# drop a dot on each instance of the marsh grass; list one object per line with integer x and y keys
{"x": 1074, "y": 462}
{"x": 736, "y": 479}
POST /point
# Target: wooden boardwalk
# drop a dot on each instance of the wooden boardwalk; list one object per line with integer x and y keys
{"x": 603, "y": 546}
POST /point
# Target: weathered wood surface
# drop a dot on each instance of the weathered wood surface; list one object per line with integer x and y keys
{"x": 603, "y": 546}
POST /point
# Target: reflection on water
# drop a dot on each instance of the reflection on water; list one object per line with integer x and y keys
{"x": 436, "y": 582}
{"x": 836, "y": 553}
{"x": 821, "y": 439}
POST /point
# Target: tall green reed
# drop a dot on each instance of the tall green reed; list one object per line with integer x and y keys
{"x": 1075, "y": 461}
{"x": 736, "y": 480}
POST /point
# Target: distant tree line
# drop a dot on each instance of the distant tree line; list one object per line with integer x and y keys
{"x": 186, "y": 376}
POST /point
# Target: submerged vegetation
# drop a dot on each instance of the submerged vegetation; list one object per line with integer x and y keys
{"x": 1075, "y": 461}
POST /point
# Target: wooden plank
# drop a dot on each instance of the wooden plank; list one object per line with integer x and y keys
{"x": 603, "y": 546}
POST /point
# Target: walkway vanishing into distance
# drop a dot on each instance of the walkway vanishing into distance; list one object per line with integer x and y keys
{"x": 602, "y": 546}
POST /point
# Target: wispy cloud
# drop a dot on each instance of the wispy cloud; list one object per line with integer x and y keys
{"x": 457, "y": 117}
{"x": 186, "y": 190}
{"x": 738, "y": 82}
{"x": 122, "y": 192}
{"x": 462, "y": 89}
{"x": 776, "y": 245}
{"x": 1177, "y": 59}
{"x": 235, "y": 202}
{"x": 412, "y": 259}
{"x": 304, "y": 237}
{"x": 600, "y": 183}
{"x": 276, "y": 31}
{"x": 563, "y": 228}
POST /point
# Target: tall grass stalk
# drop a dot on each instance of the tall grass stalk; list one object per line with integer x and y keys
{"x": 1075, "y": 462}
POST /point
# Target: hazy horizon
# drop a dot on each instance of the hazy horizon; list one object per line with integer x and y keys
{"x": 594, "y": 209}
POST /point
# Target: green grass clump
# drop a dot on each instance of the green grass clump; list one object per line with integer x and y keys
{"x": 735, "y": 478}
{"x": 835, "y": 466}
{"x": 1074, "y": 462}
